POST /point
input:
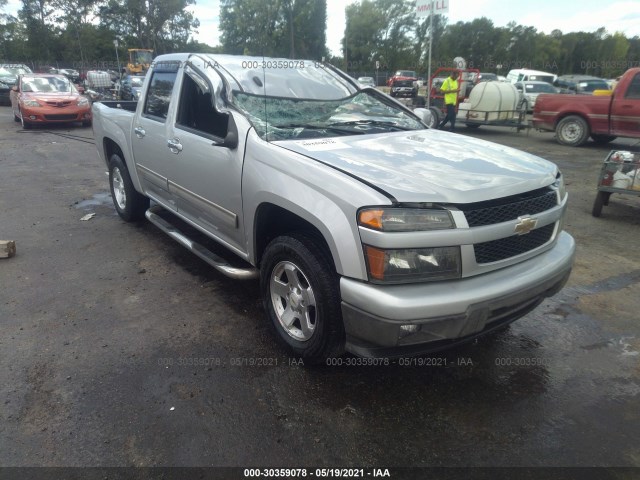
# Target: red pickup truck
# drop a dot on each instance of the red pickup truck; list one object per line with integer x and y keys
{"x": 575, "y": 118}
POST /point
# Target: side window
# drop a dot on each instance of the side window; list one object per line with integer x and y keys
{"x": 197, "y": 113}
{"x": 634, "y": 87}
{"x": 159, "y": 95}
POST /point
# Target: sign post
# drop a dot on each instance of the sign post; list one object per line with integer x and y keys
{"x": 424, "y": 8}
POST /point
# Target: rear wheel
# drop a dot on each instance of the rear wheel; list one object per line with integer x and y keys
{"x": 129, "y": 204}
{"x": 301, "y": 297}
{"x": 436, "y": 117}
{"x": 572, "y": 131}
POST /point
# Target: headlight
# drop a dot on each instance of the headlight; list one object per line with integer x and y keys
{"x": 559, "y": 185}
{"x": 31, "y": 103}
{"x": 405, "y": 219}
{"x": 82, "y": 101}
{"x": 413, "y": 264}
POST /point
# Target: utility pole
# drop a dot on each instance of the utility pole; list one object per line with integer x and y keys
{"x": 430, "y": 46}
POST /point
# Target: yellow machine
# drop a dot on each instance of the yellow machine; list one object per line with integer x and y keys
{"x": 139, "y": 60}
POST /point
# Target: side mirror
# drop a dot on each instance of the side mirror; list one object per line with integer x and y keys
{"x": 425, "y": 115}
{"x": 231, "y": 140}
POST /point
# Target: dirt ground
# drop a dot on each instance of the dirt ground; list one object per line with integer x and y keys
{"x": 121, "y": 348}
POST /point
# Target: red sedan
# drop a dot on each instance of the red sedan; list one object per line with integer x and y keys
{"x": 44, "y": 98}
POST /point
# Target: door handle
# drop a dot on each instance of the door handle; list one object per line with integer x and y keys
{"x": 139, "y": 131}
{"x": 174, "y": 145}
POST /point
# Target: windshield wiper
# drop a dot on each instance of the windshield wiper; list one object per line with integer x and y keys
{"x": 312, "y": 126}
{"x": 375, "y": 123}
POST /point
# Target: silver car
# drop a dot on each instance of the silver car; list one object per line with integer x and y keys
{"x": 529, "y": 92}
{"x": 367, "y": 82}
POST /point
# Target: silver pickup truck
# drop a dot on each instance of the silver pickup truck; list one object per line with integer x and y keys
{"x": 369, "y": 232}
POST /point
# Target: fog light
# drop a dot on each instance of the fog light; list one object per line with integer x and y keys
{"x": 32, "y": 117}
{"x": 86, "y": 115}
{"x": 406, "y": 330}
{"x": 410, "y": 328}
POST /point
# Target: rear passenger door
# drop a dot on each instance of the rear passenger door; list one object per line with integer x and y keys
{"x": 625, "y": 110}
{"x": 151, "y": 128}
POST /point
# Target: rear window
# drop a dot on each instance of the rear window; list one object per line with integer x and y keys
{"x": 634, "y": 87}
{"x": 159, "y": 95}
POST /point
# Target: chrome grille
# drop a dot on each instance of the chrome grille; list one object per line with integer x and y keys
{"x": 508, "y": 247}
{"x": 59, "y": 104}
{"x": 510, "y": 208}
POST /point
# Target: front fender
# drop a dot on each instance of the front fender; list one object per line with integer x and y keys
{"x": 322, "y": 196}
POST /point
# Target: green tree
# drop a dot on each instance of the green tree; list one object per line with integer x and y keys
{"x": 281, "y": 28}
{"x": 162, "y": 25}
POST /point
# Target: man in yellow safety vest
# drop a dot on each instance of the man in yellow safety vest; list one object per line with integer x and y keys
{"x": 450, "y": 90}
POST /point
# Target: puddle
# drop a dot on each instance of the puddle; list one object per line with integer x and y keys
{"x": 99, "y": 199}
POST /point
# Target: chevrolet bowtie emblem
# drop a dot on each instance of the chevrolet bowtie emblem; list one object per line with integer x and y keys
{"x": 525, "y": 225}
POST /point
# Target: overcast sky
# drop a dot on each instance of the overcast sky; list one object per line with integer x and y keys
{"x": 545, "y": 15}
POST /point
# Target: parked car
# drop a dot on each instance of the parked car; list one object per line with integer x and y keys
{"x": 46, "y": 98}
{"x": 70, "y": 73}
{"x": 130, "y": 87}
{"x": 7, "y": 80}
{"x": 404, "y": 83}
{"x": 580, "y": 84}
{"x": 529, "y": 92}
{"x": 16, "y": 68}
{"x": 526, "y": 75}
{"x": 9, "y": 73}
{"x": 369, "y": 232}
{"x": 487, "y": 77}
{"x": 575, "y": 118}
{"x": 367, "y": 81}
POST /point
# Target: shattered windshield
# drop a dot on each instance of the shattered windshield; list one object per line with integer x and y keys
{"x": 277, "y": 118}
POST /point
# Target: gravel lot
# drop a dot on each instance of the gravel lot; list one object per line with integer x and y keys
{"x": 121, "y": 348}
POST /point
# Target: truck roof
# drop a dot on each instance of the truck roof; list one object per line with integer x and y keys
{"x": 274, "y": 77}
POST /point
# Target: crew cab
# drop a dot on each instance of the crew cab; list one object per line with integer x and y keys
{"x": 575, "y": 118}
{"x": 369, "y": 232}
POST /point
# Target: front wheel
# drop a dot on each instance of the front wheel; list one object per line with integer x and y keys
{"x": 130, "y": 204}
{"x": 572, "y": 131}
{"x": 300, "y": 294}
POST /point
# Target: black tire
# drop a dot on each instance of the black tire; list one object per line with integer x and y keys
{"x": 292, "y": 267}
{"x": 472, "y": 125}
{"x": 129, "y": 204}
{"x": 16, "y": 118}
{"x": 392, "y": 94}
{"x": 86, "y": 124}
{"x": 572, "y": 131}
{"x": 602, "y": 139}
{"x": 437, "y": 117}
{"x": 598, "y": 203}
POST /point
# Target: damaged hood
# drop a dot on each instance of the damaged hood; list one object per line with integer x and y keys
{"x": 430, "y": 165}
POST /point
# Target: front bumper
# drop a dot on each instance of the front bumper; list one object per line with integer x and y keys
{"x": 438, "y": 315}
{"x": 58, "y": 115}
{"x": 403, "y": 90}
